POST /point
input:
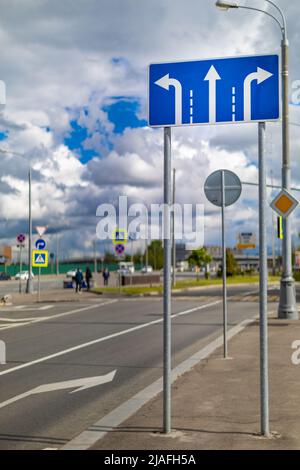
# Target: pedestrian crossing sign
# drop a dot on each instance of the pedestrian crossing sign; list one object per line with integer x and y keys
{"x": 40, "y": 258}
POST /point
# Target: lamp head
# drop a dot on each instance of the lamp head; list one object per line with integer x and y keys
{"x": 226, "y": 5}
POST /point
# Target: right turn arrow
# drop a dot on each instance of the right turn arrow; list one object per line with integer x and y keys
{"x": 260, "y": 75}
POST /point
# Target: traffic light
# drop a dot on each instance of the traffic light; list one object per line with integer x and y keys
{"x": 279, "y": 228}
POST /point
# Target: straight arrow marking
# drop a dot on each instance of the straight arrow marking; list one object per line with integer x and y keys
{"x": 78, "y": 384}
{"x": 211, "y": 77}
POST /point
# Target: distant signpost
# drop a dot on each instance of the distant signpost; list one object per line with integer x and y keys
{"x": 223, "y": 188}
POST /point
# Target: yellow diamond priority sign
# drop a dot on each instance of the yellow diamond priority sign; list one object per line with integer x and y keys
{"x": 284, "y": 203}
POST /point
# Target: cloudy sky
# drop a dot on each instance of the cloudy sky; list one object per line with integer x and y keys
{"x": 76, "y": 77}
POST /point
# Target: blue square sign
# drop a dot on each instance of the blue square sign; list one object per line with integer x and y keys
{"x": 230, "y": 90}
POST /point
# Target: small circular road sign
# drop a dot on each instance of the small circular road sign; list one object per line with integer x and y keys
{"x": 40, "y": 244}
{"x": 119, "y": 249}
{"x": 213, "y": 187}
{"x": 21, "y": 238}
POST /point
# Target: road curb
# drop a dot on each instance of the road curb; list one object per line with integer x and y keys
{"x": 108, "y": 423}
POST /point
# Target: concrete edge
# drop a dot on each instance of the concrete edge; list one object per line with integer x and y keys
{"x": 181, "y": 290}
{"x": 108, "y": 423}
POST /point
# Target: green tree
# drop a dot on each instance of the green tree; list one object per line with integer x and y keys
{"x": 200, "y": 258}
{"x": 231, "y": 264}
{"x": 156, "y": 254}
{"x": 232, "y": 267}
{"x": 109, "y": 258}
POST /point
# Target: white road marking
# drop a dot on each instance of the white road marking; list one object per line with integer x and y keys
{"x": 59, "y": 315}
{"x": 116, "y": 417}
{"x": 26, "y": 308}
{"x": 79, "y": 384}
{"x": 112, "y": 336}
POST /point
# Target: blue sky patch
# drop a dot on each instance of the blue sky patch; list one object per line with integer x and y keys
{"x": 123, "y": 113}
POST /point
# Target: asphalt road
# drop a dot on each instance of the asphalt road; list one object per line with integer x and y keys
{"x": 51, "y": 344}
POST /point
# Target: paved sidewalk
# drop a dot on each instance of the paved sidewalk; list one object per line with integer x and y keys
{"x": 216, "y": 405}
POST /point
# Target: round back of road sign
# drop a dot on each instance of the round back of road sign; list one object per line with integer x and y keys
{"x": 213, "y": 188}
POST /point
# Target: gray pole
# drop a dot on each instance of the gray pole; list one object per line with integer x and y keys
{"x": 173, "y": 231}
{"x": 29, "y": 286}
{"x": 20, "y": 281}
{"x": 95, "y": 259}
{"x": 146, "y": 252}
{"x": 263, "y": 283}
{"x": 167, "y": 281}
{"x": 39, "y": 286}
{"x": 224, "y": 269}
{"x": 273, "y": 237}
{"x": 57, "y": 261}
{"x": 287, "y": 304}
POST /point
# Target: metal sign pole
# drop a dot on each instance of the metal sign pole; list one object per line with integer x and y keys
{"x": 263, "y": 283}
{"x": 167, "y": 282}
{"x": 39, "y": 286}
{"x": 20, "y": 280}
{"x": 224, "y": 268}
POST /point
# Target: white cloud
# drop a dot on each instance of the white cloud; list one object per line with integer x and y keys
{"x": 60, "y": 57}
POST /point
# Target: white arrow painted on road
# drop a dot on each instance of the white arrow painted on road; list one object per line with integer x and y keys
{"x": 260, "y": 75}
{"x": 78, "y": 384}
{"x": 165, "y": 82}
{"x": 212, "y": 76}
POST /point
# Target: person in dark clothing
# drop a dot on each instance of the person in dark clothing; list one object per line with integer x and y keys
{"x": 105, "y": 275}
{"x": 78, "y": 280}
{"x": 88, "y": 277}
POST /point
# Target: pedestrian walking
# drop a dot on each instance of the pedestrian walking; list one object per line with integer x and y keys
{"x": 88, "y": 277}
{"x": 105, "y": 275}
{"x": 78, "y": 280}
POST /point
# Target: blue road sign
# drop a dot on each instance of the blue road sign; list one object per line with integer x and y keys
{"x": 40, "y": 244}
{"x": 239, "y": 89}
{"x": 119, "y": 249}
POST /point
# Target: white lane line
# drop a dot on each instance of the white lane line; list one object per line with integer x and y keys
{"x": 8, "y": 327}
{"x": 59, "y": 315}
{"x": 14, "y": 320}
{"x": 46, "y": 307}
{"x": 104, "y": 338}
{"x": 112, "y": 336}
{"x": 115, "y": 418}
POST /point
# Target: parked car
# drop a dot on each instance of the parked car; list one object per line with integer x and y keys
{"x": 23, "y": 275}
{"x": 5, "y": 277}
{"x": 71, "y": 274}
{"x": 147, "y": 269}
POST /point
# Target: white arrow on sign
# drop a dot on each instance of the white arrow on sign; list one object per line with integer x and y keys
{"x": 78, "y": 384}
{"x": 260, "y": 75}
{"x": 212, "y": 76}
{"x": 165, "y": 82}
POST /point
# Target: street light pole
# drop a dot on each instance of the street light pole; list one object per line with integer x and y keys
{"x": 29, "y": 286}
{"x": 287, "y": 303}
{"x": 173, "y": 231}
